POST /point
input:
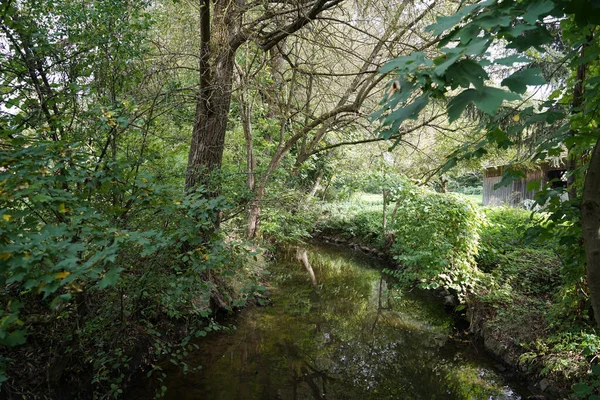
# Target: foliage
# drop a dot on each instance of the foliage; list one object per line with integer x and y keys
{"x": 561, "y": 124}
{"x": 461, "y": 78}
{"x": 354, "y": 221}
{"x": 105, "y": 264}
{"x": 436, "y": 239}
{"x": 506, "y": 231}
{"x": 436, "y": 236}
{"x": 289, "y": 218}
{"x": 71, "y": 235}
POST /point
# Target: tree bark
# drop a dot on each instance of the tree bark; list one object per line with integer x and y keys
{"x": 574, "y": 159}
{"x": 214, "y": 98}
{"x": 220, "y": 37}
{"x": 590, "y": 221}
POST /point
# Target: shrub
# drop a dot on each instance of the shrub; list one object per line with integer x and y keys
{"x": 354, "y": 222}
{"x": 101, "y": 266}
{"x": 436, "y": 239}
{"x": 506, "y": 230}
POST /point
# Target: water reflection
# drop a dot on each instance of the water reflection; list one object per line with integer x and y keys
{"x": 350, "y": 336}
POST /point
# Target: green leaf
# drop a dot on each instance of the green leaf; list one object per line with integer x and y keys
{"x": 519, "y": 80}
{"x": 110, "y": 278}
{"x": 465, "y": 72}
{"x": 535, "y": 185}
{"x": 410, "y": 111}
{"x": 536, "y": 10}
{"x": 582, "y": 390}
{"x": 15, "y": 338}
{"x": 442, "y": 24}
{"x": 458, "y": 104}
{"x": 491, "y": 21}
{"x": 444, "y": 62}
{"x": 509, "y": 176}
{"x": 406, "y": 63}
{"x": 451, "y": 163}
{"x": 534, "y": 38}
{"x": 490, "y": 99}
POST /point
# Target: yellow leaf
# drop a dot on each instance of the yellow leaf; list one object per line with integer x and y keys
{"x": 4, "y": 256}
{"x": 62, "y": 275}
{"x": 75, "y": 287}
{"x": 516, "y": 118}
{"x": 178, "y": 202}
{"x": 61, "y": 208}
{"x": 41, "y": 287}
{"x": 6, "y": 217}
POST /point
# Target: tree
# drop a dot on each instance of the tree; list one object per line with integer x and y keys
{"x": 324, "y": 83}
{"x": 224, "y": 27}
{"x": 460, "y": 77}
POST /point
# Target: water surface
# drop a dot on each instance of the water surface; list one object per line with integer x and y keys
{"x": 352, "y": 336}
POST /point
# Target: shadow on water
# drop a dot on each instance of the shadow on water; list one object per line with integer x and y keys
{"x": 352, "y": 336}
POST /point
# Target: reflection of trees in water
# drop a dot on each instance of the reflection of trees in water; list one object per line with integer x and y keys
{"x": 350, "y": 337}
{"x": 370, "y": 347}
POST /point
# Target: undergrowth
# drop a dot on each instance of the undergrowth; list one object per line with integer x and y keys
{"x": 518, "y": 288}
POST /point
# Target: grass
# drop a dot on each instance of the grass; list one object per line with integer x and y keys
{"x": 476, "y": 198}
{"x": 370, "y": 198}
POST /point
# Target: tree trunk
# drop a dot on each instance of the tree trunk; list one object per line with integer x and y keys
{"x": 208, "y": 135}
{"x": 573, "y": 158}
{"x": 220, "y": 37}
{"x": 590, "y": 221}
{"x": 218, "y": 45}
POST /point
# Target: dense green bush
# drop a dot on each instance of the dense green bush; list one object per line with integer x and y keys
{"x": 103, "y": 266}
{"x": 436, "y": 239}
{"x": 436, "y": 236}
{"x": 354, "y": 222}
{"x": 507, "y": 229}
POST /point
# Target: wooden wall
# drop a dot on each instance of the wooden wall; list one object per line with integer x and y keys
{"x": 513, "y": 194}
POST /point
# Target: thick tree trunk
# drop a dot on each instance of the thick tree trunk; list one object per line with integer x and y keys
{"x": 217, "y": 56}
{"x": 208, "y": 135}
{"x": 590, "y": 221}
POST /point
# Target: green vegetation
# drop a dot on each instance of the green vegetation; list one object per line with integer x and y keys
{"x": 515, "y": 291}
{"x": 153, "y": 155}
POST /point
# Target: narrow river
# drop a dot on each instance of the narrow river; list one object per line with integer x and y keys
{"x": 352, "y": 336}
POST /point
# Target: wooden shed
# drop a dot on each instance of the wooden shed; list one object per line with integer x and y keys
{"x": 515, "y": 193}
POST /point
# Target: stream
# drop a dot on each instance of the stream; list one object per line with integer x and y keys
{"x": 352, "y": 336}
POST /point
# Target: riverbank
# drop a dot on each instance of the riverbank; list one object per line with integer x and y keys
{"x": 122, "y": 332}
{"x": 516, "y": 300}
{"x": 350, "y": 336}
{"x": 483, "y": 327}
